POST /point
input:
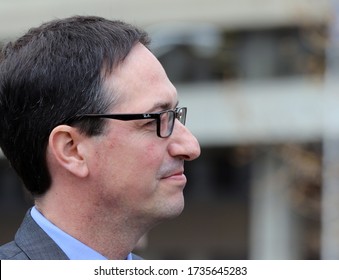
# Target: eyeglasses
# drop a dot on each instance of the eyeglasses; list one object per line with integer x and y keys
{"x": 164, "y": 119}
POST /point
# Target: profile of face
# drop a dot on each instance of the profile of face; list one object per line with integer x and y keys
{"x": 135, "y": 171}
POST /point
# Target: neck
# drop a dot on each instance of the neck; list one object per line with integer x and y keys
{"x": 111, "y": 234}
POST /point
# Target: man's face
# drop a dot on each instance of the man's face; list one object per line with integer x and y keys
{"x": 138, "y": 174}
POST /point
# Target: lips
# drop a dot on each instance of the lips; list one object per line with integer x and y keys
{"x": 173, "y": 171}
{"x": 176, "y": 178}
{"x": 176, "y": 173}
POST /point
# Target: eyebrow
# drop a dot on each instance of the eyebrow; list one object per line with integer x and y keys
{"x": 163, "y": 106}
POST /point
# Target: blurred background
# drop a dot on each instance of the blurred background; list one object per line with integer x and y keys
{"x": 259, "y": 80}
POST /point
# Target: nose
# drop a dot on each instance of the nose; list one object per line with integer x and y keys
{"x": 183, "y": 143}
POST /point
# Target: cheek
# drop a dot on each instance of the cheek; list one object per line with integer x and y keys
{"x": 153, "y": 153}
{"x": 133, "y": 160}
{"x": 130, "y": 161}
{"x": 146, "y": 160}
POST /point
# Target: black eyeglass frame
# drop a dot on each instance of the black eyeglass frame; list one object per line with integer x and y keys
{"x": 178, "y": 113}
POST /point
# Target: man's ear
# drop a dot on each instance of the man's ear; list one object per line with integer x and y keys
{"x": 65, "y": 145}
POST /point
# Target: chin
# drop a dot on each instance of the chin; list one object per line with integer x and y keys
{"x": 166, "y": 208}
{"x": 173, "y": 210}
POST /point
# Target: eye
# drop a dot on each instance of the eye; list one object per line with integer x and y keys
{"x": 151, "y": 123}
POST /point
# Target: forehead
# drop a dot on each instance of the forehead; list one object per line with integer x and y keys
{"x": 141, "y": 83}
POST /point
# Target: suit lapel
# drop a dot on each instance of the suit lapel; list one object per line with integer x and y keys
{"x": 35, "y": 243}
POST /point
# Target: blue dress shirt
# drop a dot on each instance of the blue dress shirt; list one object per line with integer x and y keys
{"x": 73, "y": 248}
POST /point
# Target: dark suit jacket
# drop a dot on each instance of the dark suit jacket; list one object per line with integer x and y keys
{"x": 32, "y": 243}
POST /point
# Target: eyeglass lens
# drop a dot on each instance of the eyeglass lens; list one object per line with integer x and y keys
{"x": 167, "y": 120}
{"x": 181, "y": 115}
{"x": 166, "y": 123}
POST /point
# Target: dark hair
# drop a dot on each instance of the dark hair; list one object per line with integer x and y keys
{"x": 48, "y": 76}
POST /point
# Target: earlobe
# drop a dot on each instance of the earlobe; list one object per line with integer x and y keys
{"x": 64, "y": 146}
